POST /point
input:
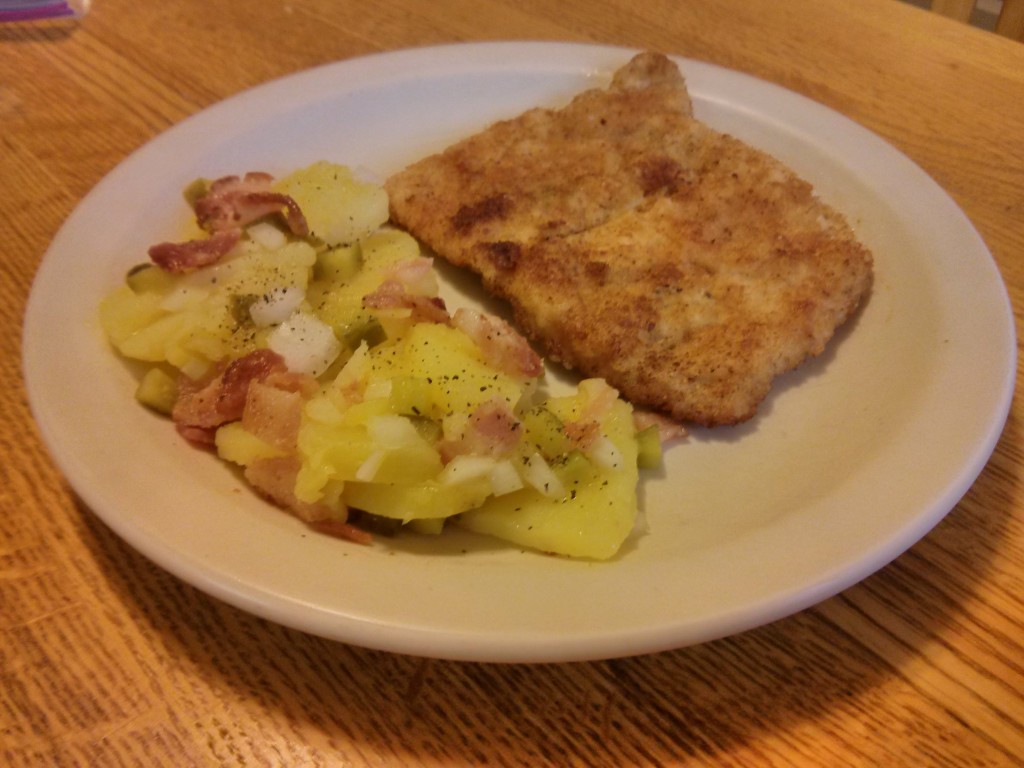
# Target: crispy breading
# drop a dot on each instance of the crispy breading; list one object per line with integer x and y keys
{"x": 637, "y": 244}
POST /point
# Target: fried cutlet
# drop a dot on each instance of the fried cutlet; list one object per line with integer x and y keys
{"x": 637, "y": 244}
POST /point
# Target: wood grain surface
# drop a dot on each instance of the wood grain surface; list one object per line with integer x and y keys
{"x": 107, "y": 660}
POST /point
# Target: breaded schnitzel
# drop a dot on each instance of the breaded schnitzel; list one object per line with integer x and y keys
{"x": 637, "y": 244}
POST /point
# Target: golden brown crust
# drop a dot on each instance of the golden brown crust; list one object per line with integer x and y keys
{"x": 636, "y": 244}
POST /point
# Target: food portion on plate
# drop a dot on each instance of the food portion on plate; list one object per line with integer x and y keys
{"x": 301, "y": 338}
{"x": 296, "y": 328}
{"x": 638, "y": 245}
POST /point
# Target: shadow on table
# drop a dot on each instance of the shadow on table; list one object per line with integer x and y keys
{"x": 326, "y": 698}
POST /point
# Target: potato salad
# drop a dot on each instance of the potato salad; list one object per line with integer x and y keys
{"x": 297, "y": 335}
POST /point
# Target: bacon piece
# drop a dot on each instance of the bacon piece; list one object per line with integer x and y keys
{"x": 582, "y": 434}
{"x": 195, "y": 407}
{"x": 193, "y": 254}
{"x": 229, "y": 204}
{"x": 502, "y": 346}
{"x": 668, "y": 429}
{"x": 255, "y": 366}
{"x": 342, "y": 530}
{"x": 203, "y": 406}
{"x": 417, "y": 275}
{"x": 200, "y": 436}
{"x": 273, "y": 407}
{"x": 392, "y": 294}
{"x": 289, "y": 381}
{"x": 274, "y": 478}
{"x": 492, "y": 430}
{"x": 584, "y": 431}
{"x": 232, "y": 202}
{"x": 273, "y": 415}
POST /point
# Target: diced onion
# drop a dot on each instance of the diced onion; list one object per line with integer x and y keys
{"x": 369, "y": 468}
{"x": 538, "y": 474}
{"x": 466, "y": 467}
{"x": 356, "y": 366}
{"x": 454, "y": 425}
{"x": 504, "y": 478}
{"x": 324, "y": 410}
{"x": 307, "y": 344}
{"x": 267, "y": 235}
{"x": 391, "y": 431}
{"x": 605, "y": 453}
{"x": 276, "y": 305}
{"x": 377, "y": 389}
{"x": 195, "y": 368}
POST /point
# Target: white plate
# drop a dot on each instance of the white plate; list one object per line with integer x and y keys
{"x": 853, "y": 458}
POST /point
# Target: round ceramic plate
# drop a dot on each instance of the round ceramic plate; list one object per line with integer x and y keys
{"x": 851, "y": 460}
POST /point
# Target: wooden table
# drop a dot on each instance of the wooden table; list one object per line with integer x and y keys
{"x": 107, "y": 660}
